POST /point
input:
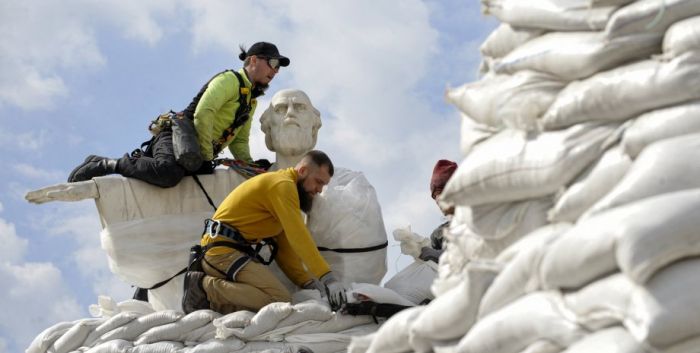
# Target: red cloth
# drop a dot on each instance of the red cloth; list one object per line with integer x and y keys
{"x": 441, "y": 174}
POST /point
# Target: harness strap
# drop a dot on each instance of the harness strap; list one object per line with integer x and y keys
{"x": 196, "y": 179}
{"x": 241, "y": 115}
{"x": 355, "y": 250}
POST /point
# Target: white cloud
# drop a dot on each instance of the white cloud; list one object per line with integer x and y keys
{"x": 33, "y": 172}
{"x": 13, "y": 247}
{"x": 24, "y": 141}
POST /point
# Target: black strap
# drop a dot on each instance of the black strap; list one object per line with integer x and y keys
{"x": 355, "y": 250}
{"x": 196, "y": 179}
{"x": 163, "y": 282}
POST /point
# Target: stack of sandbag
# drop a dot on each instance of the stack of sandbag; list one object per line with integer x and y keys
{"x": 578, "y": 198}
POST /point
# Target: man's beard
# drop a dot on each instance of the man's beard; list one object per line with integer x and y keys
{"x": 305, "y": 199}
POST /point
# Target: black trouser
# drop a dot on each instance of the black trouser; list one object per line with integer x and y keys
{"x": 156, "y": 165}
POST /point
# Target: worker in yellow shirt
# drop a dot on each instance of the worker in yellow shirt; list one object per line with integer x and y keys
{"x": 264, "y": 210}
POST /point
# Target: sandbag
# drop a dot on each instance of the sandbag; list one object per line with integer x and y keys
{"x": 451, "y": 315}
{"x": 512, "y": 328}
{"x": 177, "y": 330}
{"x": 520, "y": 274}
{"x": 133, "y": 329}
{"x": 682, "y": 36}
{"x": 413, "y": 282}
{"x": 570, "y": 56}
{"x": 615, "y": 339}
{"x": 76, "y": 335}
{"x": 535, "y": 239}
{"x": 571, "y": 15}
{"x": 472, "y": 133}
{"x": 660, "y": 124}
{"x": 392, "y": 336}
{"x": 46, "y": 338}
{"x": 462, "y": 247}
{"x": 626, "y": 92}
{"x": 600, "y": 304}
{"x": 664, "y": 313}
{"x": 372, "y": 292}
{"x": 505, "y": 38}
{"x": 662, "y": 167}
{"x": 592, "y": 185}
{"x": 514, "y": 101}
{"x": 542, "y": 346}
{"x": 347, "y": 215}
{"x": 649, "y": 16}
{"x": 513, "y": 166}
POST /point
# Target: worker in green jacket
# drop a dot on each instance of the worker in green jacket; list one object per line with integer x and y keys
{"x": 221, "y": 112}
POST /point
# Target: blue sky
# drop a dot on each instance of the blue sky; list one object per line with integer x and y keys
{"x": 81, "y": 77}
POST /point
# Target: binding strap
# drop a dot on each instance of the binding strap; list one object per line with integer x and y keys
{"x": 355, "y": 250}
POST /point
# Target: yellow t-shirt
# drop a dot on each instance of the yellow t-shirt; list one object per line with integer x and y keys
{"x": 267, "y": 206}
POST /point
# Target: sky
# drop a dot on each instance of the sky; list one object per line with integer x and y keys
{"x": 81, "y": 77}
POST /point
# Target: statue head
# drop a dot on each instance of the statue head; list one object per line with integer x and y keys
{"x": 290, "y": 123}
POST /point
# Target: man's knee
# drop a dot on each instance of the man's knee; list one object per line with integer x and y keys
{"x": 169, "y": 174}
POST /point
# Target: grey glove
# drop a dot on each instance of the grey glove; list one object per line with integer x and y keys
{"x": 335, "y": 291}
{"x": 430, "y": 254}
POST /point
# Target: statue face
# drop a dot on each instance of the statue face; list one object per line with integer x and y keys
{"x": 290, "y": 123}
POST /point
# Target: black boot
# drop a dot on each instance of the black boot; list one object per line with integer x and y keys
{"x": 93, "y": 166}
{"x": 194, "y": 298}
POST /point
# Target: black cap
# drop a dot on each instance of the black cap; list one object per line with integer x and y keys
{"x": 265, "y": 49}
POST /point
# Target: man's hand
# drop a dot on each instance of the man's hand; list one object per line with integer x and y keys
{"x": 430, "y": 254}
{"x": 262, "y": 163}
{"x": 335, "y": 291}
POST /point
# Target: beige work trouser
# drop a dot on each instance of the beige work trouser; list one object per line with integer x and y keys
{"x": 254, "y": 285}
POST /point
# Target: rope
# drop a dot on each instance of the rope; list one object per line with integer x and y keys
{"x": 204, "y": 191}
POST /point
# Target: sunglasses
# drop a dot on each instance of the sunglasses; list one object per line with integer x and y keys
{"x": 273, "y": 63}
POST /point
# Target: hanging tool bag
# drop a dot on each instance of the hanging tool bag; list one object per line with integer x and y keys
{"x": 185, "y": 143}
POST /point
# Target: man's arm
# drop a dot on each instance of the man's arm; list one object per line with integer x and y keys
{"x": 219, "y": 91}
{"x": 240, "y": 146}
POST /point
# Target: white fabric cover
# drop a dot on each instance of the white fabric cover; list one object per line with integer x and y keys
{"x": 451, "y": 315}
{"x": 650, "y": 16}
{"x": 600, "y": 304}
{"x": 472, "y": 133}
{"x": 682, "y": 36}
{"x": 570, "y": 56}
{"x": 372, "y": 292}
{"x": 392, "y": 336}
{"x": 589, "y": 187}
{"x": 626, "y": 92}
{"x": 520, "y": 274}
{"x": 661, "y": 124}
{"x": 567, "y": 15}
{"x": 514, "y": 327}
{"x": 512, "y": 165}
{"x": 665, "y": 313}
{"x": 505, "y": 38}
{"x": 615, "y": 339}
{"x": 346, "y": 215}
{"x": 413, "y": 282}
{"x": 662, "y": 167}
{"x": 507, "y": 100}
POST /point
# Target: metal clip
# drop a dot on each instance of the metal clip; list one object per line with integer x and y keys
{"x": 213, "y": 229}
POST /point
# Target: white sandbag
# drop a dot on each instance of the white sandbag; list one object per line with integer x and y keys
{"x": 177, "y": 330}
{"x": 462, "y": 247}
{"x": 472, "y": 133}
{"x": 158, "y": 347}
{"x": 360, "y": 344}
{"x": 591, "y": 186}
{"x": 514, "y": 101}
{"x": 413, "y": 282}
{"x": 107, "y": 307}
{"x": 640, "y": 254}
{"x": 650, "y": 16}
{"x": 513, "y": 166}
{"x": 347, "y": 215}
{"x": 571, "y": 56}
{"x": 600, "y": 304}
{"x": 114, "y": 346}
{"x": 311, "y": 310}
{"x": 336, "y": 324}
{"x": 217, "y": 346}
{"x": 615, "y": 339}
{"x": 536, "y": 239}
{"x": 664, "y": 313}
{"x": 542, "y": 346}
{"x": 505, "y": 38}
{"x": 502, "y": 224}
{"x": 591, "y": 249}
{"x": 682, "y": 36}
{"x": 569, "y": 15}
{"x": 596, "y": 3}
{"x": 112, "y": 323}
{"x": 661, "y": 124}
{"x": 663, "y": 167}
{"x": 238, "y": 319}
{"x": 520, "y": 275}
{"x": 512, "y": 328}
{"x": 451, "y": 315}
{"x": 265, "y": 320}
{"x": 202, "y": 334}
{"x": 136, "y": 327}
{"x": 76, "y": 335}
{"x": 626, "y": 92}
{"x": 46, "y": 338}
{"x": 392, "y": 336}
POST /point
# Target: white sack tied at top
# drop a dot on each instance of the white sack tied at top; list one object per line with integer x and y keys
{"x": 650, "y": 16}
{"x": 505, "y": 38}
{"x": 515, "y": 101}
{"x": 600, "y": 304}
{"x": 570, "y": 56}
{"x": 614, "y": 339}
{"x": 682, "y": 37}
{"x": 664, "y": 166}
{"x": 592, "y": 185}
{"x": 639, "y": 238}
{"x": 626, "y": 92}
{"x": 661, "y": 124}
{"x": 347, "y": 215}
{"x": 513, "y": 165}
{"x": 472, "y": 133}
{"x": 558, "y": 15}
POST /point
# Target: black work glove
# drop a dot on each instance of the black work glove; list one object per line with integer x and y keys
{"x": 207, "y": 167}
{"x": 430, "y": 254}
{"x": 262, "y": 163}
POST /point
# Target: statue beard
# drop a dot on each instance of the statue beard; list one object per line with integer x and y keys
{"x": 293, "y": 141}
{"x": 305, "y": 199}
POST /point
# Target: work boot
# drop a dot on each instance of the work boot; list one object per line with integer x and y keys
{"x": 93, "y": 166}
{"x": 195, "y": 298}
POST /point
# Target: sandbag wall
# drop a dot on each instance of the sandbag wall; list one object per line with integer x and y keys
{"x": 578, "y": 198}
